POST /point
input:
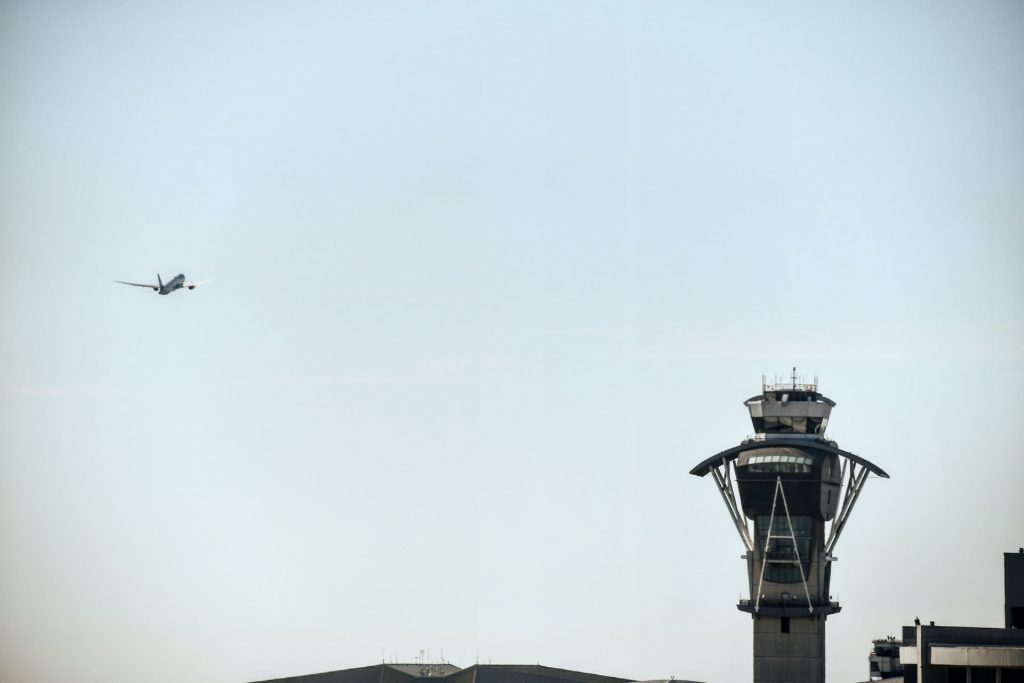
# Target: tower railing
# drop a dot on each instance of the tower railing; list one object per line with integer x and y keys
{"x": 793, "y": 385}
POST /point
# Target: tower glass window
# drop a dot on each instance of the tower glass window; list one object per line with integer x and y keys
{"x": 780, "y": 464}
{"x": 782, "y": 555}
{"x": 789, "y": 425}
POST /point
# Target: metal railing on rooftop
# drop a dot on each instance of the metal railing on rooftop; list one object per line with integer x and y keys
{"x": 793, "y": 385}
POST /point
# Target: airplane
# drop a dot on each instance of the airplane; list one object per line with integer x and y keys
{"x": 175, "y": 283}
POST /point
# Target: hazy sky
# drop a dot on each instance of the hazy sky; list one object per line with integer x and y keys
{"x": 491, "y": 278}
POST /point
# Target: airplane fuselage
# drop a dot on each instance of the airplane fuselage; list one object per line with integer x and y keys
{"x": 177, "y": 282}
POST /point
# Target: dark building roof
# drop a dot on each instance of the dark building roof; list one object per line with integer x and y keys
{"x": 527, "y": 673}
{"x": 479, "y": 673}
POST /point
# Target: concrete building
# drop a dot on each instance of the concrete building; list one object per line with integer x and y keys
{"x": 479, "y": 673}
{"x": 797, "y": 489}
{"x": 962, "y": 654}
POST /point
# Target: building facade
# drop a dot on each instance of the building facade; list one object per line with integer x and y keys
{"x": 963, "y": 654}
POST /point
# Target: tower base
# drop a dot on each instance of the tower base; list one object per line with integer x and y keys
{"x": 789, "y": 650}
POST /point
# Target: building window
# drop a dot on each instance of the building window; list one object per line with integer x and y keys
{"x": 784, "y": 625}
{"x": 782, "y": 556}
{"x": 789, "y": 425}
{"x": 1011, "y": 675}
{"x": 781, "y": 464}
{"x": 983, "y": 675}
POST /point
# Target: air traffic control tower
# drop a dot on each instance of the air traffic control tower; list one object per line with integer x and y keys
{"x": 792, "y": 482}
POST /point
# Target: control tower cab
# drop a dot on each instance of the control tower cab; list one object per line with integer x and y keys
{"x": 796, "y": 491}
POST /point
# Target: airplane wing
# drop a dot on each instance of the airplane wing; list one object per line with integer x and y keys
{"x": 193, "y": 285}
{"x": 155, "y": 288}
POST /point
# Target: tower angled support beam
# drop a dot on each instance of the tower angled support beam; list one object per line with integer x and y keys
{"x": 850, "y": 475}
{"x": 853, "y": 489}
{"x": 725, "y": 487}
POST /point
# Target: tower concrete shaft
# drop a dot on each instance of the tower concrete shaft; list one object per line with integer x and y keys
{"x": 796, "y": 489}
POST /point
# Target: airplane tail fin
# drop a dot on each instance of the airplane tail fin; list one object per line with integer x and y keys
{"x": 159, "y": 280}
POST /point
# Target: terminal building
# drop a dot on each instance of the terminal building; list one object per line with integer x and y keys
{"x": 448, "y": 673}
{"x": 963, "y": 654}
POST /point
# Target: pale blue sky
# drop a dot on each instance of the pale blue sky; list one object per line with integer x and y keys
{"x": 491, "y": 278}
